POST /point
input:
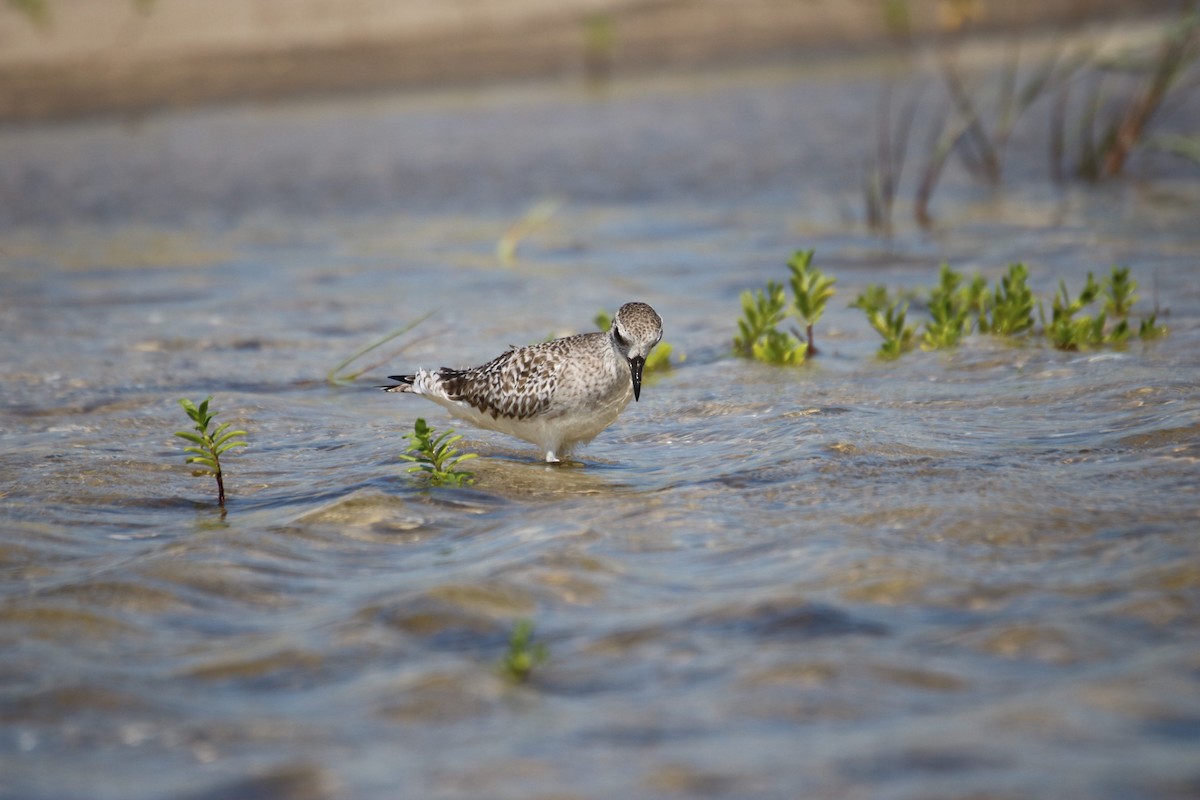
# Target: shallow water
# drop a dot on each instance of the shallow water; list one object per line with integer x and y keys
{"x": 963, "y": 574}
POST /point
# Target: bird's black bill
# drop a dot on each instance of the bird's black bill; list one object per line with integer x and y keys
{"x": 635, "y": 367}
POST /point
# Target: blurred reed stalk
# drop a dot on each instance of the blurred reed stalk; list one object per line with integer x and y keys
{"x": 1105, "y": 124}
{"x": 1127, "y": 126}
{"x": 884, "y": 171}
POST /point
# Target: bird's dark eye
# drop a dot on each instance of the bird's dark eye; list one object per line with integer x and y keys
{"x": 621, "y": 340}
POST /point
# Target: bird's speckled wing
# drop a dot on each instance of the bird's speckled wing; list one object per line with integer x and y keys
{"x": 518, "y": 384}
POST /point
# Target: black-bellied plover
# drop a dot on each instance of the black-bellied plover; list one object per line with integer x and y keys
{"x": 555, "y": 394}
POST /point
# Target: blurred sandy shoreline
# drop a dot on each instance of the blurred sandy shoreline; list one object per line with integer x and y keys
{"x": 73, "y": 58}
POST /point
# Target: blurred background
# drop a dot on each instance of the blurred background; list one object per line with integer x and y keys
{"x": 71, "y": 57}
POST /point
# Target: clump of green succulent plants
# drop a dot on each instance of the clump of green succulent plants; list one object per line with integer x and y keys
{"x": 524, "y": 654}
{"x": 887, "y": 316}
{"x": 1070, "y": 329}
{"x": 763, "y": 311}
{"x": 435, "y": 455}
{"x": 208, "y": 446}
{"x": 660, "y": 356}
{"x": 956, "y": 306}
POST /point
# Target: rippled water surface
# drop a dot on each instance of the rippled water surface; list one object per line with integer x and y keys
{"x": 972, "y": 573}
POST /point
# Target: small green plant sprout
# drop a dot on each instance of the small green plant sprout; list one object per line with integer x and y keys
{"x": 208, "y": 446}
{"x": 523, "y": 653}
{"x": 660, "y": 356}
{"x": 810, "y": 291}
{"x": 1012, "y": 304}
{"x": 1119, "y": 296}
{"x": 1120, "y": 293}
{"x": 1150, "y": 329}
{"x": 887, "y": 317}
{"x": 978, "y": 301}
{"x": 779, "y": 347}
{"x": 897, "y": 337}
{"x": 872, "y": 298}
{"x": 1068, "y": 332}
{"x": 436, "y": 456}
{"x": 758, "y": 335}
{"x": 950, "y": 306}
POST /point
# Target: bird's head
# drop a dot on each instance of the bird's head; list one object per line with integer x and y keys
{"x": 634, "y": 331}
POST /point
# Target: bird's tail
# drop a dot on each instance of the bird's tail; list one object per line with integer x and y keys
{"x": 405, "y": 384}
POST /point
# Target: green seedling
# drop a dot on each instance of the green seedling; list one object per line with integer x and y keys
{"x": 978, "y": 301}
{"x": 758, "y": 335}
{"x": 1117, "y": 334}
{"x": 207, "y": 447}
{"x": 1012, "y": 304}
{"x": 761, "y": 312}
{"x": 811, "y": 290}
{"x": 887, "y": 317}
{"x": 660, "y": 356}
{"x": 872, "y": 298}
{"x": 1066, "y": 331}
{"x": 1120, "y": 293}
{"x": 897, "y": 337}
{"x": 435, "y": 455}
{"x": 950, "y": 306}
{"x": 1150, "y": 329}
{"x": 778, "y": 347}
{"x": 523, "y": 653}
